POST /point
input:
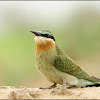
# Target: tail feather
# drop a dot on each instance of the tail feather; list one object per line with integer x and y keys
{"x": 97, "y": 85}
{"x": 95, "y": 78}
{"x": 96, "y": 82}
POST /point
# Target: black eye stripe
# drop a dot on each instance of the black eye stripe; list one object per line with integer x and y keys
{"x": 48, "y": 36}
{"x": 44, "y": 35}
{"x": 52, "y": 38}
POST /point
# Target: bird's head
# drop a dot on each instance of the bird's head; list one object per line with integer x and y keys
{"x": 44, "y": 40}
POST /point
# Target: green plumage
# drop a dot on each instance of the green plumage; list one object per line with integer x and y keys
{"x": 67, "y": 65}
{"x": 56, "y": 66}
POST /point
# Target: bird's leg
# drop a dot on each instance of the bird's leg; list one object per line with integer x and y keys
{"x": 50, "y": 87}
{"x": 53, "y": 86}
{"x": 64, "y": 84}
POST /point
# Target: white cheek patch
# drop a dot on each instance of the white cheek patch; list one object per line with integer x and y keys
{"x": 39, "y": 39}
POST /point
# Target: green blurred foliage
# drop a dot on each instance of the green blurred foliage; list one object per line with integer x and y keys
{"x": 78, "y": 35}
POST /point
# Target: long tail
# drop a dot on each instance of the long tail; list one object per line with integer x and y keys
{"x": 95, "y": 78}
{"x": 97, "y": 84}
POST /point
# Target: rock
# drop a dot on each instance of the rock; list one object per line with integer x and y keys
{"x": 9, "y": 92}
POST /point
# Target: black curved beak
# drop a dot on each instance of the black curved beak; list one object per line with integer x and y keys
{"x": 36, "y": 33}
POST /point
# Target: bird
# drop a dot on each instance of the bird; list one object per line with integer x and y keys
{"x": 56, "y": 66}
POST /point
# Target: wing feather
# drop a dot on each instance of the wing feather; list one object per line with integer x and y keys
{"x": 67, "y": 65}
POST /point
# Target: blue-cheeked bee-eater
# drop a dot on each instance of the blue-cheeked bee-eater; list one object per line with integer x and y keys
{"x": 56, "y": 66}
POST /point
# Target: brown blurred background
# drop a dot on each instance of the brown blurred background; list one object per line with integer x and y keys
{"x": 75, "y": 25}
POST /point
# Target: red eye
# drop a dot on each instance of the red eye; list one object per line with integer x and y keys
{"x": 48, "y": 36}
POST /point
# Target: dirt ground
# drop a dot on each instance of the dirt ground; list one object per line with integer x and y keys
{"x": 9, "y": 92}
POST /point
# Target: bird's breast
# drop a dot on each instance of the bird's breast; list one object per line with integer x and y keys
{"x": 42, "y": 46}
{"x": 45, "y": 57}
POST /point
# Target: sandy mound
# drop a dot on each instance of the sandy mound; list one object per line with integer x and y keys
{"x": 9, "y": 92}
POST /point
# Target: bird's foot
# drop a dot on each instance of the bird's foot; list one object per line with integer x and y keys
{"x": 50, "y": 87}
{"x": 64, "y": 84}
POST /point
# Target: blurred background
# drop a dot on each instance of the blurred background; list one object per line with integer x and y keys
{"x": 75, "y": 25}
